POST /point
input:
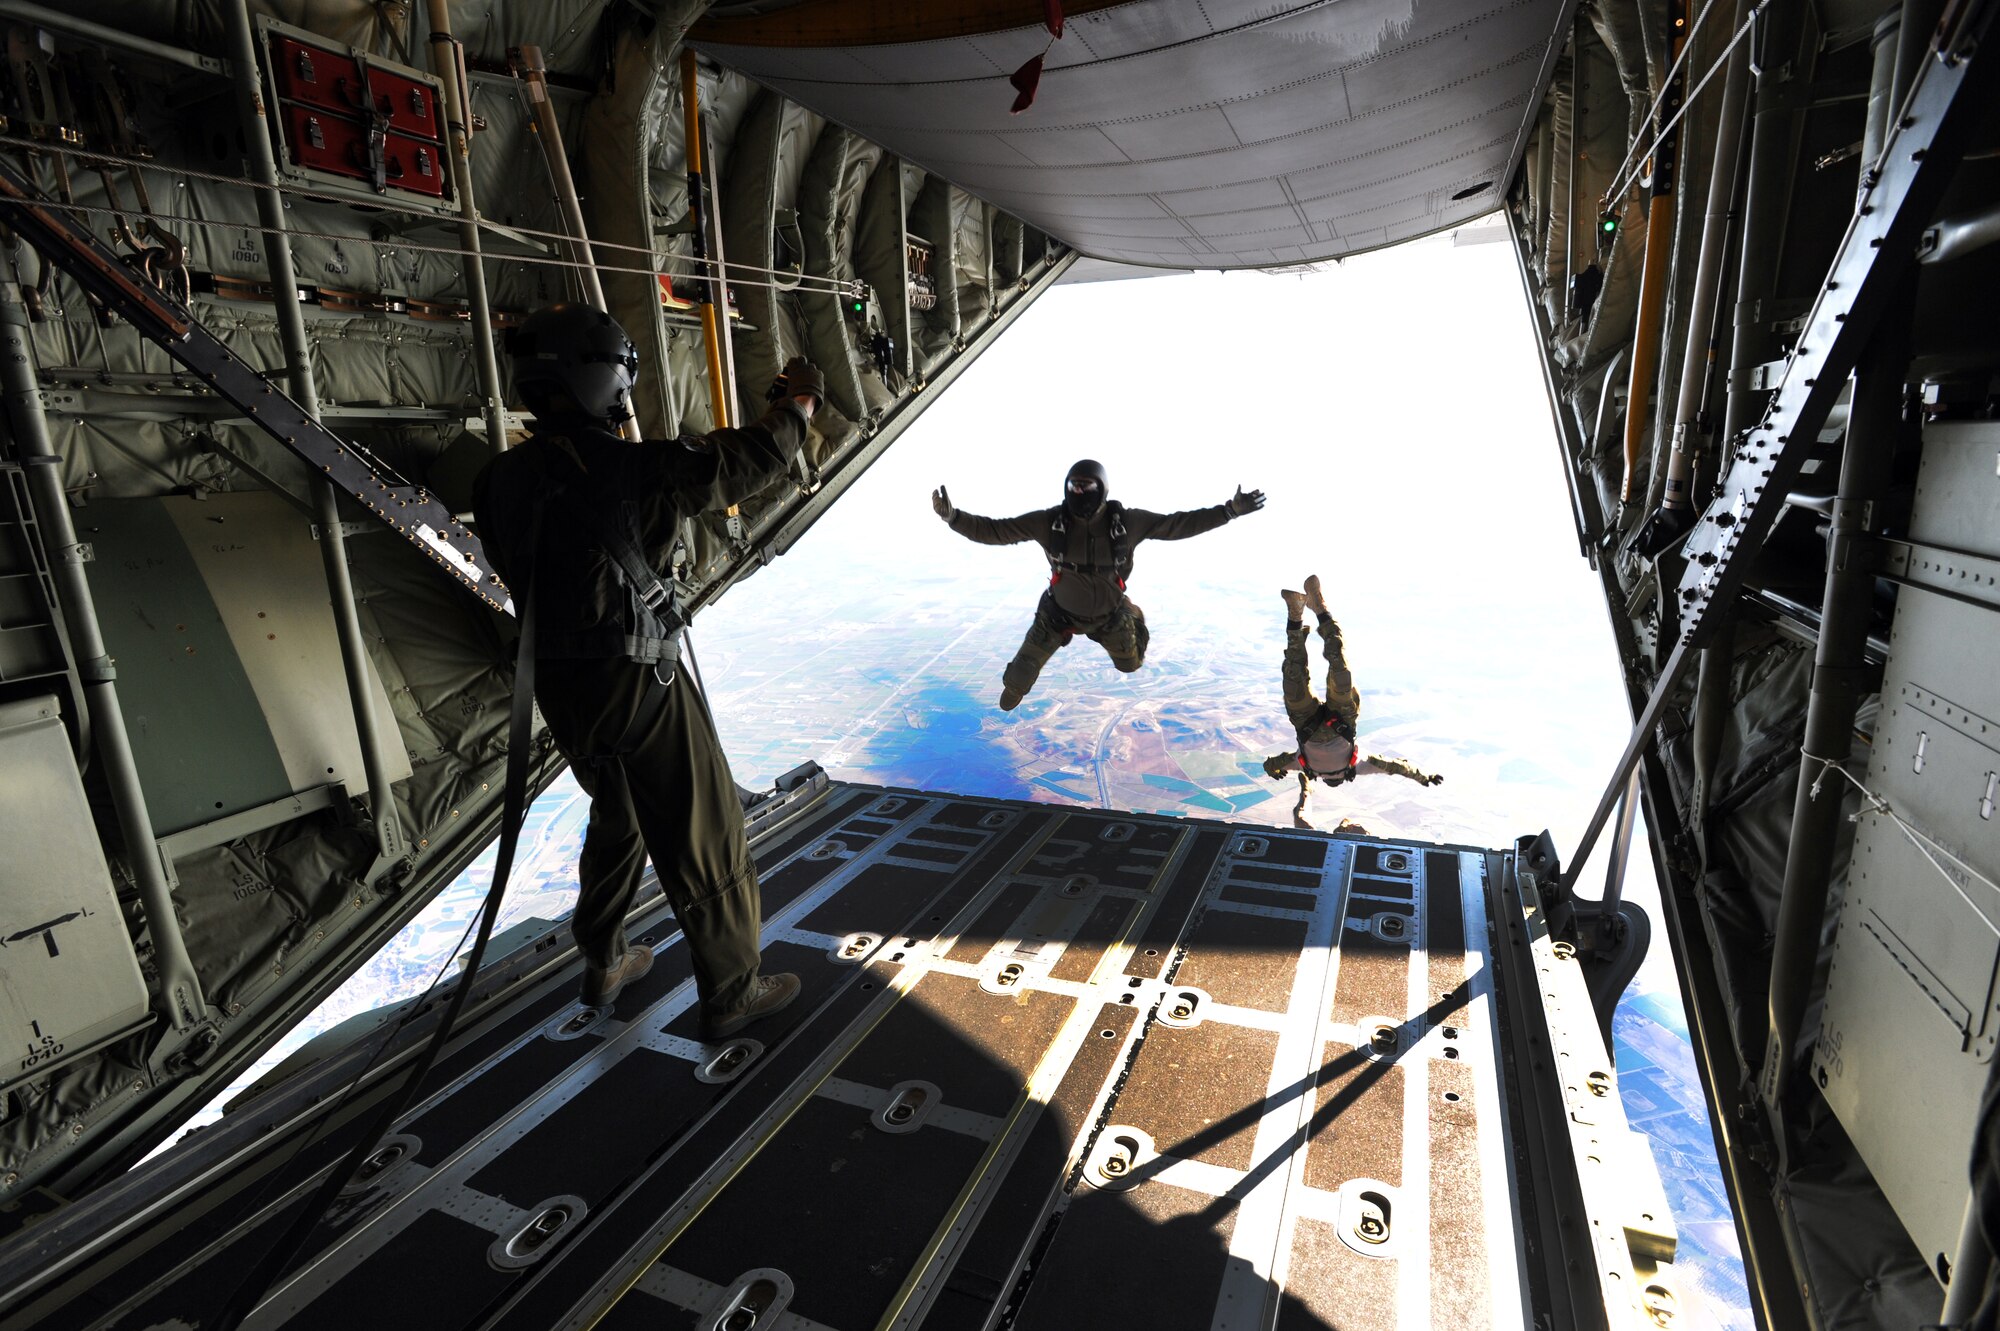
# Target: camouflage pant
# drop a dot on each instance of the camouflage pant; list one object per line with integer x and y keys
{"x": 1123, "y": 637}
{"x": 1342, "y": 698}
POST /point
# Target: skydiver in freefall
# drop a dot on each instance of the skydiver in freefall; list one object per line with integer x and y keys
{"x": 1088, "y": 539}
{"x": 1326, "y": 749}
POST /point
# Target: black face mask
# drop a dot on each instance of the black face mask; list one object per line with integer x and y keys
{"x": 1082, "y": 497}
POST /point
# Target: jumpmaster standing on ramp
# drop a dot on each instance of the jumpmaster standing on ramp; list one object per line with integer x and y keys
{"x": 1326, "y": 749}
{"x": 1088, "y": 539}
{"x": 589, "y": 517}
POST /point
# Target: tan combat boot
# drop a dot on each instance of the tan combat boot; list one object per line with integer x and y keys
{"x": 1295, "y": 606}
{"x": 771, "y": 993}
{"x": 1315, "y": 601}
{"x": 602, "y": 985}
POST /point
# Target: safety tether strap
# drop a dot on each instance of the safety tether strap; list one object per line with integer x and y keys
{"x": 520, "y": 738}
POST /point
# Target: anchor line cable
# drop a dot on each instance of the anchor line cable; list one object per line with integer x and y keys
{"x": 269, "y": 1269}
{"x": 1926, "y": 845}
{"x": 318, "y": 1134}
{"x": 301, "y": 233}
{"x": 1628, "y": 170}
{"x": 91, "y": 159}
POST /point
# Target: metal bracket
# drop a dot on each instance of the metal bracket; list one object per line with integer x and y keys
{"x": 1974, "y": 579}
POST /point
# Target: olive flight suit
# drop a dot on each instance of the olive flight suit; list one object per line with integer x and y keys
{"x": 658, "y": 782}
{"x": 1089, "y": 560}
{"x": 1326, "y": 749}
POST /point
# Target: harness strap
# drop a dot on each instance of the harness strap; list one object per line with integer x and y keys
{"x": 630, "y": 568}
{"x": 1121, "y": 550}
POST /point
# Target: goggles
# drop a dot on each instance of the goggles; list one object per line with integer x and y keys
{"x": 1081, "y": 485}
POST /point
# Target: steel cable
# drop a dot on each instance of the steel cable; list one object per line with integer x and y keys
{"x": 1628, "y": 170}
{"x": 831, "y": 285}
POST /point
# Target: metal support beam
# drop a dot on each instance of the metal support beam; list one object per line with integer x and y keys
{"x": 354, "y": 661}
{"x": 1869, "y": 271}
{"x": 1621, "y": 847}
{"x": 180, "y": 988}
{"x": 707, "y": 247}
{"x": 1874, "y": 425}
{"x": 448, "y": 63}
{"x": 1712, "y": 703}
{"x": 117, "y": 39}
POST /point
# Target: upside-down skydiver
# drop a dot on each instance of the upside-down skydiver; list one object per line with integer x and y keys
{"x": 1326, "y": 751}
{"x": 1088, "y": 539}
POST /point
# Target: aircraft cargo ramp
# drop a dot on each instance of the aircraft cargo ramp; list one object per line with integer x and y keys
{"x": 1052, "y": 1068}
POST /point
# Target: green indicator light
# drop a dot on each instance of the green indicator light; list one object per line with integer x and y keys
{"x": 1609, "y": 225}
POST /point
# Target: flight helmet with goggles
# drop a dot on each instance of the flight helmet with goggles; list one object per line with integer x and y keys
{"x": 1085, "y": 489}
{"x": 570, "y": 359}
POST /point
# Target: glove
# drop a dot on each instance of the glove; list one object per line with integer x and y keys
{"x": 803, "y": 379}
{"x": 1433, "y": 780}
{"x": 941, "y": 504}
{"x": 1241, "y": 502}
{"x": 1278, "y": 766}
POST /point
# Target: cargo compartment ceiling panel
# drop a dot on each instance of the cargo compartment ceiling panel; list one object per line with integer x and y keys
{"x": 1221, "y": 135}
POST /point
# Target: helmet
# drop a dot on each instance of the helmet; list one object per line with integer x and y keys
{"x": 1084, "y": 489}
{"x": 578, "y": 352}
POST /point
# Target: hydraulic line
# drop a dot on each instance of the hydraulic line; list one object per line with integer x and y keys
{"x": 1653, "y": 277}
{"x": 305, "y": 391}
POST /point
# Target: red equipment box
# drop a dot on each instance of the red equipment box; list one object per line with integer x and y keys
{"x": 344, "y": 116}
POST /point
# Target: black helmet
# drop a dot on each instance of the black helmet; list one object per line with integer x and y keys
{"x": 1085, "y": 489}
{"x": 578, "y": 352}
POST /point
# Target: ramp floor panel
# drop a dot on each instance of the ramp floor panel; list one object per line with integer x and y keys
{"x": 1052, "y": 1068}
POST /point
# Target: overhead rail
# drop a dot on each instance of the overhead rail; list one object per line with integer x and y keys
{"x": 407, "y": 509}
{"x": 1874, "y": 261}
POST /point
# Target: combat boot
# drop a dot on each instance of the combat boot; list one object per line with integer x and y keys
{"x": 772, "y": 993}
{"x": 1315, "y": 600}
{"x": 1295, "y": 606}
{"x": 1010, "y": 698}
{"x": 601, "y": 985}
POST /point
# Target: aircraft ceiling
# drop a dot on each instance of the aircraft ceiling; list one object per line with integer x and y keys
{"x": 1168, "y": 134}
